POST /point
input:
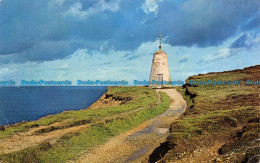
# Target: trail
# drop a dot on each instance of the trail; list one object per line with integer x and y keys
{"x": 27, "y": 139}
{"x": 137, "y": 144}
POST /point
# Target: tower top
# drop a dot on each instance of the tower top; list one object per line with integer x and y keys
{"x": 160, "y": 41}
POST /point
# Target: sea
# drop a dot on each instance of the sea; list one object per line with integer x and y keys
{"x": 18, "y": 104}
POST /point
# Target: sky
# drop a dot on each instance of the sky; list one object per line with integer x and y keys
{"x": 115, "y": 39}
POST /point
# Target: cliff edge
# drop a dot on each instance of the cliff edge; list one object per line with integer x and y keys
{"x": 221, "y": 123}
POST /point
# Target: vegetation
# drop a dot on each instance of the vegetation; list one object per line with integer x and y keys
{"x": 143, "y": 106}
{"x": 225, "y": 114}
{"x": 140, "y": 96}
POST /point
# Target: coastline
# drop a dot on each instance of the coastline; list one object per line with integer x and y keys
{"x": 81, "y": 129}
{"x": 50, "y": 115}
{"x": 208, "y": 120}
{"x": 106, "y": 100}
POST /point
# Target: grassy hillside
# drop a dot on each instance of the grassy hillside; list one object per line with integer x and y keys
{"x": 221, "y": 122}
{"x": 138, "y": 105}
{"x": 132, "y": 98}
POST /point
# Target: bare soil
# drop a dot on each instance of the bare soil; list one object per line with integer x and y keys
{"x": 26, "y": 139}
{"x": 137, "y": 144}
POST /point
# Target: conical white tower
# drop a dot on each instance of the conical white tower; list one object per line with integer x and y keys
{"x": 160, "y": 74}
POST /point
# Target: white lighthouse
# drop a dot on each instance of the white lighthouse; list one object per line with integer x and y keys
{"x": 160, "y": 74}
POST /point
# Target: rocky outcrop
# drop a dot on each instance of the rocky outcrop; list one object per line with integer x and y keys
{"x": 109, "y": 100}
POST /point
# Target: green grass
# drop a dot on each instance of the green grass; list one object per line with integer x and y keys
{"x": 142, "y": 97}
{"x": 69, "y": 146}
{"x": 219, "y": 121}
{"x": 206, "y": 109}
{"x": 214, "y": 114}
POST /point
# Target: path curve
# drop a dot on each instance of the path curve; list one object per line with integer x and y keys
{"x": 137, "y": 144}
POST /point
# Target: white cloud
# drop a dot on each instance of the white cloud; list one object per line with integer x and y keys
{"x": 76, "y": 10}
{"x": 81, "y": 65}
{"x": 151, "y": 6}
{"x": 6, "y": 70}
{"x": 54, "y": 3}
{"x": 221, "y": 54}
{"x": 112, "y": 6}
{"x": 253, "y": 39}
{"x": 116, "y": 65}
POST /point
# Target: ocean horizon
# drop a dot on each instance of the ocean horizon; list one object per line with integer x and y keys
{"x": 29, "y": 103}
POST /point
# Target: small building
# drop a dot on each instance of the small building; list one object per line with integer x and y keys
{"x": 160, "y": 74}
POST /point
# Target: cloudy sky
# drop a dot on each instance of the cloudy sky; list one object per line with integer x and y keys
{"x": 115, "y": 39}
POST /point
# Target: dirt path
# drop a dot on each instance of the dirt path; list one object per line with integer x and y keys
{"x": 27, "y": 139}
{"x": 137, "y": 144}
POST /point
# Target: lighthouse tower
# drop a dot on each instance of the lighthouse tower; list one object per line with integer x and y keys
{"x": 160, "y": 73}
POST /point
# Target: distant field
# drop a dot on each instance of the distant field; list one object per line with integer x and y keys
{"x": 221, "y": 121}
{"x": 137, "y": 104}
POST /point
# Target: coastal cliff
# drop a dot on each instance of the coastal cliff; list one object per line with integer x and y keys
{"x": 110, "y": 100}
{"x": 68, "y": 135}
{"x": 221, "y": 123}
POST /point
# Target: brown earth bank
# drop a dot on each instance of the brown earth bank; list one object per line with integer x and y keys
{"x": 109, "y": 100}
{"x": 37, "y": 134}
{"x": 221, "y": 122}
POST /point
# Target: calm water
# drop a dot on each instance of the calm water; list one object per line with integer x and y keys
{"x": 31, "y": 103}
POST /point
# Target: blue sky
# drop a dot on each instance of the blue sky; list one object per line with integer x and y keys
{"x": 115, "y": 39}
